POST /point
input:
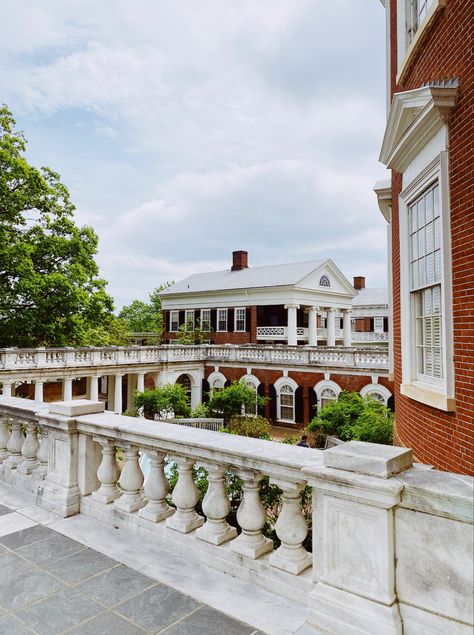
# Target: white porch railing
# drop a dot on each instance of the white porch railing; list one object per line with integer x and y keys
{"x": 369, "y": 337}
{"x": 373, "y": 514}
{"x": 88, "y": 360}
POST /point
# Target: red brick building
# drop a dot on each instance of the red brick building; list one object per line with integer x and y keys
{"x": 309, "y": 306}
{"x": 429, "y": 203}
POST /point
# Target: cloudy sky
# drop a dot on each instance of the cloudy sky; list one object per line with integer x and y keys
{"x": 188, "y": 129}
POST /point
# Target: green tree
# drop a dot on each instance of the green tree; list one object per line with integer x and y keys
{"x": 233, "y": 400}
{"x": 353, "y": 417}
{"x": 165, "y": 401}
{"x": 145, "y": 317}
{"x": 192, "y": 336}
{"x": 50, "y": 291}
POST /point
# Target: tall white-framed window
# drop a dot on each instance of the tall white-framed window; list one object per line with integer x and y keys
{"x": 253, "y": 383}
{"x": 189, "y": 319}
{"x": 425, "y": 283}
{"x": 239, "y": 319}
{"x": 286, "y": 390}
{"x": 222, "y": 320}
{"x": 327, "y": 391}
{"x": 174, "y": 321}
{"x": 425, "y": 298}
{"x": 205, "y": 320}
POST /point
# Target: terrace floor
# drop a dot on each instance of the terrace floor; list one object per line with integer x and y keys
{"x": 79, "y": 576}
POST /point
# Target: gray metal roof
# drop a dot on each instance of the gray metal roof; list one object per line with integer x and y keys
{"x": 367, "y": 297}
{"x": 253, "y": 277}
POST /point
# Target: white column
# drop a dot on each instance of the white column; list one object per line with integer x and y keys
{"x": 346, "y": 327}
{"x": 291, "y": 331}
{"x": 331, "y": 328}
{"x": 140, "y": 382}
{"x": 118, "y": 394}
{"x": 110, "y": 392}
{"x": 67, "y": 389}
{"x": 7, "y": 389}
{"x": 313, "y": 326}
{"x": 94, "y": 388}
{"x": 38, "y": 390}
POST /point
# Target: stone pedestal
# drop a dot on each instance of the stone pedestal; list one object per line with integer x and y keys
{"x": 353, "y": 545}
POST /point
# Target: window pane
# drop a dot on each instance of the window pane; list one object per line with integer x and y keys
{"x": 421, "y": 212}
{"x": 421, "y": 242}
{"x": 429, "y": 205}
{"x": 430, "y": 272}
{"x": 436, "y": 200}
{"x": 414, "y": 246}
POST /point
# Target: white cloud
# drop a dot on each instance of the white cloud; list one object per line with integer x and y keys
{"x": 205, "y": 127}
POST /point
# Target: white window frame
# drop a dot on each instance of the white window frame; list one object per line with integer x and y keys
{"x": 378, "y": 324}
{"x": 203, "y": 320}
{"x": 172, "y": 314}
{"x": 215, "y": 379}
{"x": 187, "y": 314}
{"x": 323, "y": 385}
{"x": 407, "y": 44}
{"x": 439, "y": 393}
{"x": 252, "y": 382}
{"x": 218, "y": 321}
{"x": 370, "y": 389}
{"x": 237, "y": 319}
{"x": 285, "y": 381}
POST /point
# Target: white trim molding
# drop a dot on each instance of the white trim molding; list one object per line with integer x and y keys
{"x": 383, "y": 191}
{"x": 278, "y": 385}
{"x": 322, "y": 385}
{"x": 415, "y": 117}
{"x": 369, "y": 389}
{"x": 216, "y": 375}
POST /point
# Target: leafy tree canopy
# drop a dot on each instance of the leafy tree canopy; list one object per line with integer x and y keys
{"x": 166, "y": 401}
{"x": 353, "y": 417}
{"x": 197, "y": 335}
{"x": 233, "y": 400}
{"x": 145, "y": 317}
{"x": 50, "y": 290}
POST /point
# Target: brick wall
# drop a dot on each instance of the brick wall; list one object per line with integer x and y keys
{"x": 446, "y": 440}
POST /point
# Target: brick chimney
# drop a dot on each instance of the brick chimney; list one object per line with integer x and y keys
{"x": 359, "y": 282}
{"x": 239, "y": 260}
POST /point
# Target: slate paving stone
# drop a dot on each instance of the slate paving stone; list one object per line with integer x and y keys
{"x": 108, "y": 622}
{"x": 26, "y": 536}
{"x": 12, "y": 566}
{"x": 27, "y": 588}
{"x": 9, "y": 625}
{"x": 59, "y": 612}
{"x": 116, "y": 585}
{"x": 157, "y": 608}
{"x": 80, "y": 566}
{"x": 5, "y": 510}
{"x": 211, "y": 622}
{"x": 51, "y": 549}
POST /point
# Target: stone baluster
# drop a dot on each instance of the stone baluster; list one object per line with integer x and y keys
{"x": 43, "y": 455}
{"x": 292, "y": 529}
{"x": 108, "y": 473}
{"x": 29, "y": 450}
{"x": 156, "y": 489}
{"x": 4, "y": 436}
{"x": 216, "y": 507}
{"x": 185, "y": 497}
{"x": 251, "y": 518}
{"x": 131, "y": 481}
{"x": 14, "y": 445}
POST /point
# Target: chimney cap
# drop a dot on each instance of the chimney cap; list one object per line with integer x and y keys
{"x": 359, "y": 282}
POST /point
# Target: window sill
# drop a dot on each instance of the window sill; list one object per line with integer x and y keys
{"x": 429, "y": 396}
{"x": 412, "y": 51}
{"x": 286, "y": 421}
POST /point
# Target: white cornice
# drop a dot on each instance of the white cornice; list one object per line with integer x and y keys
{"x": 415, "y": 117}
{"x": 383, "y": 191}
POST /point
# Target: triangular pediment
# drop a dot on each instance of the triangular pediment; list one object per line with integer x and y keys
{"x": 327, "y": 278}
{"x": 415, "y": 116}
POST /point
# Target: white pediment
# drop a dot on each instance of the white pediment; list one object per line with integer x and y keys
{"x": 327, "y": 279}
{"x": 415, "y": 117}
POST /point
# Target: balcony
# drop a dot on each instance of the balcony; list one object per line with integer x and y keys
{"x": 280, "y": 333}
{"x": 369, "y": 504}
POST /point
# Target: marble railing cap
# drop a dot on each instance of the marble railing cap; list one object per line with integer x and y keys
{"x": 76, "y": 407}
{"x": 371, "y": 459}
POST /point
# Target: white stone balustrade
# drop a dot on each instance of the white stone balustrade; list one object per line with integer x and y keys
{"x": 185, "y": 497}
{"x": 4, "y": 436}
{"x": 29, "y": 450}
{"x": 15, "y": 443}
{"x": 371, "y": 510}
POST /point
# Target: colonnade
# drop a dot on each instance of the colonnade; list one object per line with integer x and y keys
{"x": 313, "y": 311}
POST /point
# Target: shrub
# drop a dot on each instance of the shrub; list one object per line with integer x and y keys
{"x": 200, "y": 412}
{"x": 233, "y": 400}
{"x": 166, "y": 401}
{"x": 246, "y": 426}
{"x": 353, "y": 417}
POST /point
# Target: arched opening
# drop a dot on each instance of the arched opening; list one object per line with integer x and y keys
{"x": 185, "y": 382}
